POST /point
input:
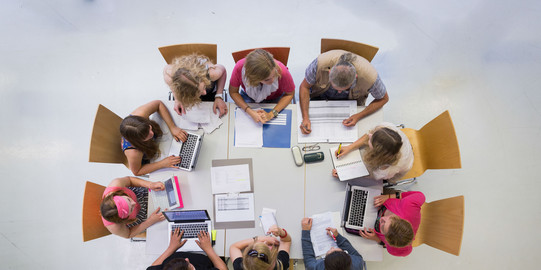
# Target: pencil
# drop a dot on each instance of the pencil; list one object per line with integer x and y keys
{"x": 339, "y": 149}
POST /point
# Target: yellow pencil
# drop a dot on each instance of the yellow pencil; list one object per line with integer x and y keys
{"x": 339, "y": 148}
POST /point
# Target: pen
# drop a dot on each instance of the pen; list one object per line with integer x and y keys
{"x": 334, "y": 238}
{"x": 306, "y": 127}
{"x": 339, "y": 149}
{"x": 213, "y": 237}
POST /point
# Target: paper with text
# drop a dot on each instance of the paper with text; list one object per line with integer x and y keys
{"x": 234, "y": 207}
{"x": 326, "y": 119}
{"x": 247, "y": 132}
{"x": 230, "y": 179}
{"x": 321, "y": 240}
{"x": 268, "y": 218}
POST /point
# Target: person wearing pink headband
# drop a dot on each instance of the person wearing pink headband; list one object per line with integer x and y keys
{"x": 122, "y": 213}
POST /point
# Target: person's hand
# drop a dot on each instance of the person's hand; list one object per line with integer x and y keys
{"x": 176, "y": 239}
{"x": 220, "y": 105}
{"x": 351, "y": 121}
{"x": 369, "y": 234}
{"x": 275, "y": 230}
{"x": 306, "y": 126}
{"x": 156, "y": 216}
{"x": 332, "y": 231}
{"x": 256, "y": 116}
{"x": 203, "y": 240}
{"x": 179, "y": 108}
{"x": 306, "y": 224}
{"x": 266, "y": 115}
{"x": 380, "y": 200}
{"x": 344, "y": 150}
{"x": 179, "y": 134}
{"x": 156, "y": 186}
{"x": 170, "y": 162}
{"x": 334, "y": 173}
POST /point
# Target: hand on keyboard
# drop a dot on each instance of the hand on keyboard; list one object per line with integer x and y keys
{"x": 170, "y": 162}
{"x": 176, "y": 240}
{"x": 369, "y": 234}
{"x": 179, "y": 134}
{"x": 204, "y": 240}
{"x": 157, "y": 186}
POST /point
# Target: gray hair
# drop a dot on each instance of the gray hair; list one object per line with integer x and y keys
{"x": 343, "y": 73}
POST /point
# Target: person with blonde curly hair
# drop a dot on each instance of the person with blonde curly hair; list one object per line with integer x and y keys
{"x": 386, "y": 151}
{"x": 124, "y": 206}
{"x": 262, "y": 252}
{"x": 263, "y": 79}
{"x": 194, "y": 78}
{"x": 397, "y": 223}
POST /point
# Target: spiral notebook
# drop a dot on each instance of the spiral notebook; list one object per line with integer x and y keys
{"x": 349, "y": 166}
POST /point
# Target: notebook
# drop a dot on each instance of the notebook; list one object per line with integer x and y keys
{"x": 169, "y": 198}
{"x": 349, "y": 166}
{"x": 188, "y": 151}
{"x": 191, "y": 222}
{"x": 359, "y": 211}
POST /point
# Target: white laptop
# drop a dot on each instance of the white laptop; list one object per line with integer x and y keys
{"x": 169, "y": 198}
{"x": 359, "y": 211}
{"x": 188, "y": 151}
{"x": 191, "y": 222}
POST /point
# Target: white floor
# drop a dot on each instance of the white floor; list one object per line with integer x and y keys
{"x": 59, "y": 59}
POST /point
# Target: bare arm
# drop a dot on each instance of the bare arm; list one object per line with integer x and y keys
{"x": 234, "y": 93}
{"x": 354, "y": 146}
{"x": 206, "y": 245}
{"x": 375, "y": 105}
{"x": 304, "y": 102}
{"x": 282, "y": 103}
{"x": 219, "y": 74}
{"x": 134, "y": 162}
{"x": 235, "y": 250}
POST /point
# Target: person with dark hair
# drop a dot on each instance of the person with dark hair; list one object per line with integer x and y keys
{"x": 341, "y": 75}
{"x": 336, "y": 258}
{"x": 139, "y": 135}
{"x": 398, "y": 220}
{"x": 124, "y": 206}
{"x": 173, "y": 260}
{"x": 386, "y": 152}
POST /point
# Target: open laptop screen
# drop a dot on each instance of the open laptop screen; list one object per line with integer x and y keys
{"x": 190, "y": 215}
{"x": 170, "y": 192}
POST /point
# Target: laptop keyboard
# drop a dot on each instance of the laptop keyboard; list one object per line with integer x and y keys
{"x": 357, "y": 208}
{"x": 187, "y": 150}
{"x": 190, "y": 230}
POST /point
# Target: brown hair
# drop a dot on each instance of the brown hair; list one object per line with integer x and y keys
{"x": 337, "y": 260}
{"x": 386, "y": 149}
{"x": 135, "y": 129}
{"x": 185, "y": 87}
{"x": 343, "y": 73}
{"x": 400, "y": 232}
{"x": 254, "y": 263}
{"x": 259, "y": 66}
{"x": 177, "y": 264}
{"x": 109, "y": 211}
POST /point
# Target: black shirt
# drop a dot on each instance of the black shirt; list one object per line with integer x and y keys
{"x": 199, "y": 261}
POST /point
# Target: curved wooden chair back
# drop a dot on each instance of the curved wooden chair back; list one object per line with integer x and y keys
{"x": 279, "y": 53}
{"x": 442, "y": 224}
{"x": 92, "y": 224}
{"x": 364, "y": 50}
{"x": 105, "y": 141}
{"x": 435, "y": 146}
{"x": 170, "y": 52}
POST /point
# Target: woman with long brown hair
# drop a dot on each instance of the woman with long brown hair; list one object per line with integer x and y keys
{"x": 139, "y": 135}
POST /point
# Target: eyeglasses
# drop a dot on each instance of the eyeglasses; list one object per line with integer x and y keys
{"x": 261, "y": 256}
{"x": 313, "y": 147}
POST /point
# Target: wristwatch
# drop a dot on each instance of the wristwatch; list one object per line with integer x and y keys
{"x": 219, "y": 96}
{"x": 274, "y": 112}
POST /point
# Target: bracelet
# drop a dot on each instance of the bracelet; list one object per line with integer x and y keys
{"x": 284, "y": 235}
{"x": 247, "y": 107}
{"x": 219, "y": 96}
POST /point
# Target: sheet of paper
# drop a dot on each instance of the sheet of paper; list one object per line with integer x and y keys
{"x": 349, "y": 166}
{"x": 321, "y": 241}
{"x": 326, "y": 120}
{"x": 267, "y": 218}
{"x": 230, "y": 179}
{"x": 215, "y": 122}
{"x": 247, "y": 132}
{"x": 199, "y": 113}
{"x": 234, "y": 207}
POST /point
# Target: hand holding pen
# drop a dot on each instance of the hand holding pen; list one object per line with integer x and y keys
{"x": 332, "y": 232}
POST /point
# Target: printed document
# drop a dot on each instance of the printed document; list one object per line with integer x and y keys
{"x": 234, "y": 207}
{"x": 247, "y": 132}
{"x": 230, "y": 179}
{"x": 326, "y": 122}
{"x": 321, "y": 240}
{"x": 268, "y": 218}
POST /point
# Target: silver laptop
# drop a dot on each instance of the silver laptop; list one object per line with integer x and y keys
{"x": 169, "y": 198}
{"x": 188, "y": 151}
{"x": 191, "y": 222}
{"x": 359, "y": 211}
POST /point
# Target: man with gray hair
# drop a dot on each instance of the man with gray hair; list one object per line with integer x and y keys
{"x": 341, "y": 75}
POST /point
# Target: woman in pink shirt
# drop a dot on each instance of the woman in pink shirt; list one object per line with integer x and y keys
{"x": 398, "y": 220}
{"x": 124, "y": 208}
{"x": 263, "y": 79}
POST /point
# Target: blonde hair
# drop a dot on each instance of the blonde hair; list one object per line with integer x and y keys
{"x": 400, "y": 232}
{"x": 255, "y": 263}
{"x": 190, "y": 70}
{"x": 259, "y": 65}
{"x": 386, "y": 144}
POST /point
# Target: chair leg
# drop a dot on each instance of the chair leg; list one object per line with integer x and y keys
{"x": 399, "y": 183}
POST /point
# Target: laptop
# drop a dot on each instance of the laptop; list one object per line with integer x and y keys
{"x": 188, "y": 151}
{"x": 192, "y": 222}
{"x": 169, "y": 198}
{"x": 359, "y": 211}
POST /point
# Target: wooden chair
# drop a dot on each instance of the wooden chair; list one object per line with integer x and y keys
{"x": 364, "y": 50}
{"x": 442, "y": 224}
{"x": 170, "y": 52}
{"x": 105, "y": 142}
{"x": 279, "y": 53}
{"x": 435, "y": 146}
{"x": 92, "y": 224}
